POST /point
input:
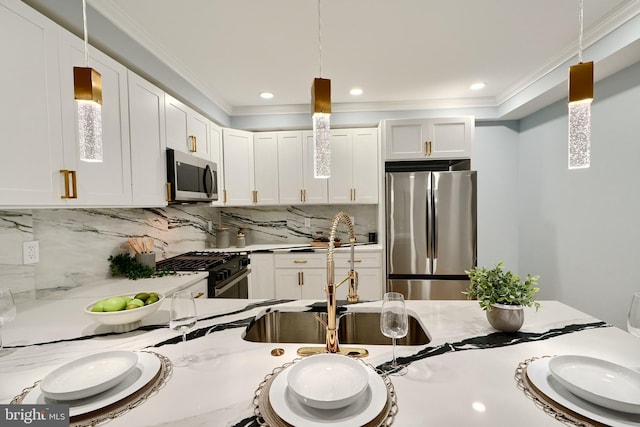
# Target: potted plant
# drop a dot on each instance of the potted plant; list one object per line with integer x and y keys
{"x": 503, "y": 295}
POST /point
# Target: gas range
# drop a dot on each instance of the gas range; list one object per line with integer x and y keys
{"x": 228, "y": 271}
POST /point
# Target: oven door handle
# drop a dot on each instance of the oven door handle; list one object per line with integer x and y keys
{"x": 231, "y": 284}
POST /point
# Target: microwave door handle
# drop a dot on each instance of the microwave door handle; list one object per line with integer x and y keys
{"x": 209, "y": 172}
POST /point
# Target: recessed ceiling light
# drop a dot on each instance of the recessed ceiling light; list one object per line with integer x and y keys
{"x": 477, "y": 86}
{"x": 266, "y": 95}
{"x": 356, "y": 91}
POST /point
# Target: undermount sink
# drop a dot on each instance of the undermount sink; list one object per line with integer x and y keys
{"x": 354, "y": 327}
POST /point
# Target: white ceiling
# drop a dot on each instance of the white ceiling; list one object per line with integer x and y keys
{"x": 404, "y": 54}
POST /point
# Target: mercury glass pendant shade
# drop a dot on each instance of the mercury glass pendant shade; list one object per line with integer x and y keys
{"x": 87, "y": 84}
{"x": 321, "y": 106}
{"x": 580, "y": 98}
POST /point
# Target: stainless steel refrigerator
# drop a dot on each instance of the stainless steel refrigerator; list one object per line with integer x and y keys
{"x": 431, "y": 235}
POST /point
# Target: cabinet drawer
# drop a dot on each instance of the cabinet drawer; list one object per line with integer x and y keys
{"x": 299, "y": 260}
{"x": 361, "y": 260}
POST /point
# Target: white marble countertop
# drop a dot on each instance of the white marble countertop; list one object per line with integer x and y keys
{"x": 442, "y": 387}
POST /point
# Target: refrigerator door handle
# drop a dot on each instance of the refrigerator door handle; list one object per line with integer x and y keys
{"x": 434, "y": 231}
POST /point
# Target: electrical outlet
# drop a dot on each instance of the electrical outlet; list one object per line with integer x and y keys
{"x": 353, "y": 220}
{"x": 30, "y": 252}
{"x": 209, "y": 225}
{"x": 307, "y": 222}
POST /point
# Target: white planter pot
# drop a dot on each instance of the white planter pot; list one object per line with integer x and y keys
{"x": 506, "y": 318}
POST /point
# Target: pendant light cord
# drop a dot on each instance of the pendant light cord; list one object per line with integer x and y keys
{"x": 581, "y": 21}
{"x": 320, "y": 36}
{"x": 86, "y": 38}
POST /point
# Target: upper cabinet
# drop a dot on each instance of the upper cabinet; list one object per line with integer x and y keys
{"x": 148, "y": 142}
{"x": 106, "y": 183}
{"x": 30, "y": 128}
{"x": 295, "y": 170}
{"x": 354, "y": 166}
{"x": 415, "y": 139}
{"x": 187, "y": 130}
{"x": 265, "y": 168}
{"x": 41, "y": 165}
{"x": 238, "y": 171}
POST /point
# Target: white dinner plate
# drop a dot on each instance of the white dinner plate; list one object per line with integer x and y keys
{"x": 144, "y": 371}
{"x": 599, "y": 381}
{"x": 88, "y": 375}
{"x": 540, "y": 376}
{"x": 362, "y": 411}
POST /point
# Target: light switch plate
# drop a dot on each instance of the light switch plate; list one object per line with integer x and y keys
{"x": 30, "y": 252}
{"x": 307, "y": 222}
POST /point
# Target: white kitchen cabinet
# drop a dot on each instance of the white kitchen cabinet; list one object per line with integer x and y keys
{"x": 106, "y": 183}
{"x": 30, "y": 129}
{"x": 261, "y": 279}
{"x": 148, "y": 142}
{"x": 368, "y": 265}
{"x": 295, "y": 170}
{"x": 186, "y": 129}
{"x": 198, "y": 289}
{"x": 304, "y": 275}
{"x": 354, "y": 166}
{"x": 265, "y": 168}
{"x": 238, "y": 167}
{"x": 300, "y": 276}
{"x": 215, "y": 139}
{"x": 416, "y": 139}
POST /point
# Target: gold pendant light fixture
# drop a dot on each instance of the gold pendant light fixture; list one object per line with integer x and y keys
{"x": 87, "y": 87}
{"x": 580, "y": 97}
{"x": 321, "y": 112}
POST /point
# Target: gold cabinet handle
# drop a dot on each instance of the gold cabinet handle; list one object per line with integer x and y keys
{"x": 301, "y": 196}
{"x": 74, "y": 189}
{"x": 354, "y": 194}
{"x": 169, "y": 192}
{"x": 300, "y": 278}
{"x": 299, "y": 261}
{"x": 193, "y": 144}
{"x": 255, "y": 196}
{"x": 426, "y": 148}
{"x": 430, "y": 148}
{"x": 224, "y": 196}
{"x": 198, "y": 295}
{"x": 304, "y": 199}
{"x": 355, "y": 260}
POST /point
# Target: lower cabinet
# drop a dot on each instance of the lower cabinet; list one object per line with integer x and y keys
{"x": 304, "y": 276}
{"x": 261, "y": 279}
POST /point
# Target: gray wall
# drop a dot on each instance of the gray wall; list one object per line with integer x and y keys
{"x": 579, "y": 229}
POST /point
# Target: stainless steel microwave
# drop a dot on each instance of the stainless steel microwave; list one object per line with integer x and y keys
{"x": 190, "y": 178}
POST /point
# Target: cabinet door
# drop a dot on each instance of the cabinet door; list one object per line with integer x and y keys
{"x": 313, "y": 284}
{"x": 340, "y": 183}
{"x": 315, "y": 190}
{"x": 406, "y": 139}
{"x": 198, "y": 128}
{"x": 30, "y": 130}
{"x": 238, "y": 171}
{"x": 370, "y": 284}
{"x": 107, "y": 183}
{"x": 290, "y": 168}
{"x": 148, "y": 143}
{"x": 215, "y": 142}
{"x": 287, "y": 284}
{"x": 265, "y": 168}
{"x": 261, "y": 279}
{"x": 451, "y": 138}
{"x": 364, "y": 165}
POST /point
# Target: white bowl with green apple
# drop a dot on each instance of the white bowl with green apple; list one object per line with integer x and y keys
{"x": 125, "y": 312}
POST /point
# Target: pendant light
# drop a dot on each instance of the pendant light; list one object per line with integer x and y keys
{"x": 87, "y": 86}
{"x": 580, "y": 97}
{"x": 321, "y": 112}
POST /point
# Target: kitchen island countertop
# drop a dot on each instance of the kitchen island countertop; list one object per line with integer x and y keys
{"x": 464, "y": 376}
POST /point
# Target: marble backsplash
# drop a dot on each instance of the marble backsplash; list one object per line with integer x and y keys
{"x": 75, "y": 244}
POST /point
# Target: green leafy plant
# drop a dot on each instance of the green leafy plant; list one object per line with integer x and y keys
{"x": 497, "y": 286}
{"x": 125, "y": 265}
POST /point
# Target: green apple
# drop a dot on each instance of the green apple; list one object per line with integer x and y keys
{"x": 98, "y": 307}
{"x": 137, "y": 302}
{"x": 115, "y": 304}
